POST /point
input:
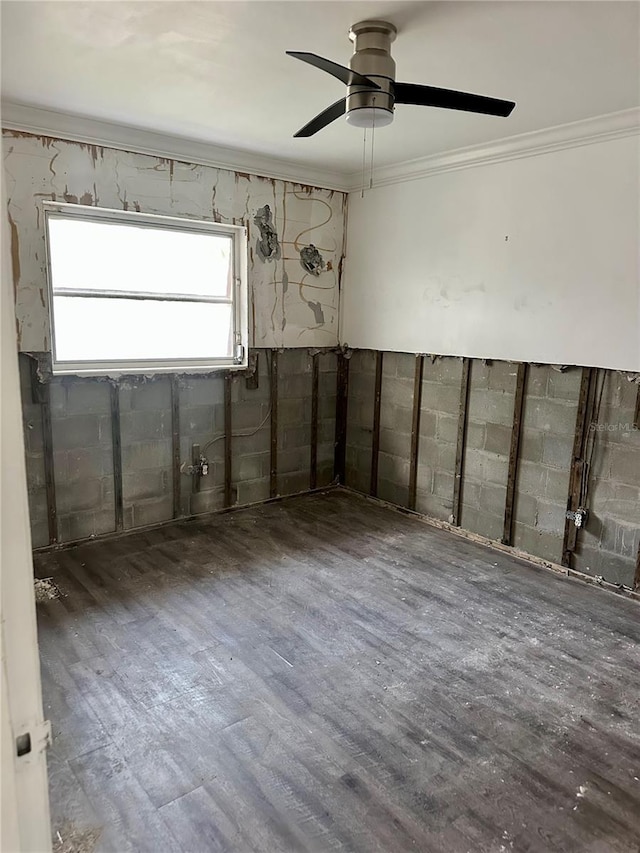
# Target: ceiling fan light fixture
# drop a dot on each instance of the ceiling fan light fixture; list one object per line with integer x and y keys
{"x": 369, "y": 117}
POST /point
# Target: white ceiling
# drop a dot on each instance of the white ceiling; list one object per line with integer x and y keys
{"x": 217, "y": 71}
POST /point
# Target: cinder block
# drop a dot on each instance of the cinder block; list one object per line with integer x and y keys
{"x": 393, "y": 468}
{"x": 293, "y": 460}
{"x": 556, "y": 487}
{"x": 498, "y": 439}
{"x": 79, "y": 496}
{"x": 443, "y": 484}
{"x": 294, "y": 386}
{"x": 492, "y": 499}
{"x": 198, "y": 420}
{"x": 293, "y": 411}
{"x": 82, "y": 525}
{"x": 253, "y": 491}
{"x": 470, "y": 493}
{"x": 58, "y": 397}
{"x": 525, "y": 509}
{"x": 393, "y": 492}
{"x": 139, "y": 425}
{"x": 502, "y": 376}
{"x": 397, "y": 392}
{"x": 476, "y": 435}
{"x": 446, "y": 459}
{"x": 447, "y": 428}
{"x": 328, "y": 362}
{"x": 531, "y": 445}
{"x": 406, "y": 366}
{"x": 152, "y": 511}
{"x": 550, "y": 517}
{"x": 433, "y": 505}
{"x": 532, "y": 478}
{"x": 444, "y": 371}
{"x": 248, "y": 416}
{"x": 294, "y": 436}
{"x": 254, "y": 467}
{"x": 491, "y": 406}
{"x": 428, "y": 421}
{"x": 395, "y": 443}
{"x": 153, "y": 394}
{"x": 84, "y": 464}
{"x": 553, "y": 416}
{"x": 478, "y": 521}
{"x": 440, "y": 398}
{"x": 86, "y": 396}
{"x": 557, "y": 450}
{"x": 538, "y": 542}
{"x": 206, "y": 501}
{"x": 294, "y": 482}
{"x": 625, "y": 464}
{"x": 424, "y": 478}
{"x": 564, "y": 385}
{"x": 203, "y": 391}
{"x": 485, "y": 467}
{"x": 75, "y": 431}
{"x": 537, "y": 378}
{"x": 39, "y": 534}
{"x": 145, "y": 484}
{"x": 139, "y": 455}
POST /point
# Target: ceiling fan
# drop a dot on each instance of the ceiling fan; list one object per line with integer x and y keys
{"x": 372, "y": 91}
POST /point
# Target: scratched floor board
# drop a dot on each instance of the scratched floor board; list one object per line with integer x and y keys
{"x": 326, "y": 674}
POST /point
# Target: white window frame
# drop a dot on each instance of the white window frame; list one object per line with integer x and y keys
{"x": 239, "y": 298}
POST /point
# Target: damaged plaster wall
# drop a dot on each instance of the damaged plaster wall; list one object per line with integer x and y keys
{"x": 292, "y": 314}
{"x": 290, "y": 305}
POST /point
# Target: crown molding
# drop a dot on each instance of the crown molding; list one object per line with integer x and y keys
{"x": 21, "y": 117}
{"x": 575, "y": 134}
{"x": 75, "y": 128}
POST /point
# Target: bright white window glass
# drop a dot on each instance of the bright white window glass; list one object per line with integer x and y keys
{"x": 90, "y": 255}
{"x": 95, "y": 329}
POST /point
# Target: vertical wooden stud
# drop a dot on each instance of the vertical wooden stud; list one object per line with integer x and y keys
{"x": 315, "y": 383}
{"x": 116, "y": 445}
{"x": 228, "y": 379}
{"x": 49, "y": 475}
{"x": 415, "y": 430}
{"x": 514, "y": 451}
{"x": 342, "y": 395}
{"x": 273, "y": 484}
{"x": 175, "y": 444}
{"x": 460, "y": 444}
{"x": 375, "y": 438}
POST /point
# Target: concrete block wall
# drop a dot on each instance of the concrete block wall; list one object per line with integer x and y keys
{"x": 362, "y": 370}
{"x": 488, "y": 438}
{"x": 609, "y": 544}
{"x": 396, "y": 411}
{"x": 82, "y": 452}
{"x": 438, "y": 434}
{"x": 542, "y": 486}
{"x": 611, "y": 537}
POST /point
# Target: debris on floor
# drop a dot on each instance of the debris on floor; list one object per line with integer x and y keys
{"x": 71, "y": 839}
{"x": 45, "y": 589}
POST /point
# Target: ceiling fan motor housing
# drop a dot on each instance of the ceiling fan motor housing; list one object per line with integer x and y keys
{"x": 372, "y": 58}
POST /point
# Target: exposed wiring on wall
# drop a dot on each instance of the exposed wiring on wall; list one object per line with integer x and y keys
{"x": 222, "y": 436}
{"x": 239, "y": 434}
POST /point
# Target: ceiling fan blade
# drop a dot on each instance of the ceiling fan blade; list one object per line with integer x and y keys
{"x": 449, "y": 99}
{"x": 324, "y": 118}
{"x": 346, "y": 75}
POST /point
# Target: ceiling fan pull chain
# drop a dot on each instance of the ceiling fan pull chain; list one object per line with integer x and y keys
{"x": 364, "y": 160}
{"x": 373, "y": 133}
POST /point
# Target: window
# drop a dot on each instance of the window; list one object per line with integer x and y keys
{"x": 132, "y": 292}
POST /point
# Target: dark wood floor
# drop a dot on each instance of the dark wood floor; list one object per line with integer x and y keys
{"x": 326, "y": 674}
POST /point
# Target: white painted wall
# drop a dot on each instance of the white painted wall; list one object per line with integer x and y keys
{"x": 532, "y": 259}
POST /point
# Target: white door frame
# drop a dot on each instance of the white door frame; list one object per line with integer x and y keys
{"x": 25, "y": 824}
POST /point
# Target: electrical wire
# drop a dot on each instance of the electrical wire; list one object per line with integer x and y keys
{"x": 364, "y": 160}
{"x": 244, "y": 434}
{"x": 373, "y": 135}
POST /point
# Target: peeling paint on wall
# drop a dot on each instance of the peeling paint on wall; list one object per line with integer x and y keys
{"x": 281, "y": 315}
